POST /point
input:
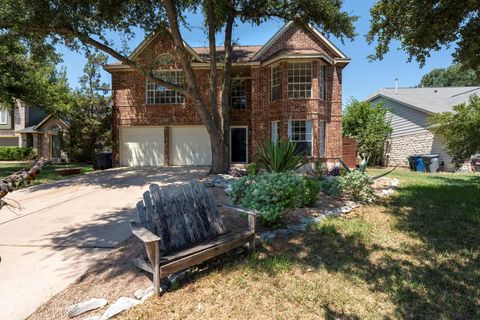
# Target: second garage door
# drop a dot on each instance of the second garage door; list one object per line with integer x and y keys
{"x": 190, "y": 146}
{"x": 141, "y": 146}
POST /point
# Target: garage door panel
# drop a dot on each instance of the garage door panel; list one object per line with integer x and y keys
{"x": 142, "y": 146}
{"x": 190, "y": 146}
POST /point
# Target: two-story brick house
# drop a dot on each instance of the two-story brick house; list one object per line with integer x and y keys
{"x": 289, "y": 88}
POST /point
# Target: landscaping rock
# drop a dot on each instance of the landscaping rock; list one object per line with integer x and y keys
{"x": 345, "y": 209}
{"x": 85, "y": 306}
{"x": 394, "y": 182}
{"x": 122, "y": 304}
{"x": 268, "y": 236}
{"x": 141, "y": 294}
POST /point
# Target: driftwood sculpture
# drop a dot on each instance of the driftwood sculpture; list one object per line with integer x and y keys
{"x": 20, "y": 178}
{"x": 181, "y": 227}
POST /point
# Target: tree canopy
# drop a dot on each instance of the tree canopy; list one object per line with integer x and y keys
{"x": 452, "y": 76}
{"x": 366, "y": 122}
{"x": 459, "y": 130}
{"x": 28, "y": 72}
{"x": 88, "y": 23}
{"x": 423, "y": 25}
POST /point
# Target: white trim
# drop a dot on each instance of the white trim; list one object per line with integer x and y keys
{"x": 270, "y": 82}
{"x": 4, "y": 112}
{"x": 163, "y": 104}
{"x": 246, "y": 150}
{"x": 272, "y": 40}
{"x": 311, "y": 133}
{"x": 328, "y": 42}
{"x": 308, "y": 57}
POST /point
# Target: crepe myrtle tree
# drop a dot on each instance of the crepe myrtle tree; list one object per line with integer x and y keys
{"x": 77, "y": 24}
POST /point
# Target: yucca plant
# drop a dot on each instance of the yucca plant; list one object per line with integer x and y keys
{"x": 280, "y": 156}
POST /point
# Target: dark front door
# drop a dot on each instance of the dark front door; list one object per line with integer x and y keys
{"x": 239, "y": 144}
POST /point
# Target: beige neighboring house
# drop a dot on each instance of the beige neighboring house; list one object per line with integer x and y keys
{"x": 30, "y": 126}
{"x": 408, "y": 112}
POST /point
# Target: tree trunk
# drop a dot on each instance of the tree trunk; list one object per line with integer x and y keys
{"x": 220, "y": 154}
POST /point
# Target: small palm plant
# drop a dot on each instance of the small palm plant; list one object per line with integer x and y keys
{"x": 280, "y": 156}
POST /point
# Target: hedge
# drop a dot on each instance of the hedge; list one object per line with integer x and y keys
{"x": 14, "y": 153}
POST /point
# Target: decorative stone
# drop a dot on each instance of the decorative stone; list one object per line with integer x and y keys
{"x": 345, "y": 209}
{"x": 140, "y": 293}
{"x": 85, "y": 306}
{"x": 122, "y": 304}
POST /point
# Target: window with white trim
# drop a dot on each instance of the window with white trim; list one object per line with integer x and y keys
{"x": 156, "y": 94}
{"x": 3, "y": 116}
{"x": 299, "y": 80}
{"x": 322, "y": 82}
{"x": 275, "y": 134}
{"x": 275, "y": 84}
{"x": 300, "y": 132}
{"x": 238, "y": 94}
{"x": 321, "y": 138}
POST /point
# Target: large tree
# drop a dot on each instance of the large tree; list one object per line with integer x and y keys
{"x": 459, "y": 130}
{"x": 79, "y": 23}
{"x": 422, "y": 26}
{"x": 452, "y": 76}
{"x": 367, "y": 122}
{"x": 28, "y": 72}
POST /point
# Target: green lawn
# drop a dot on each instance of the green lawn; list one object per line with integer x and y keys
{"x": 415, "y": 255}
{"x": 48, "y": 173}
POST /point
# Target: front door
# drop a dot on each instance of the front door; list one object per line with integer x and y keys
{"x": 56, "y": 148}
{"x": 239, "y": 145}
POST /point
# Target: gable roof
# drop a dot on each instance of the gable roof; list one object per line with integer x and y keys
{"x": 239, "y": 53}
{"x": 285, "y": 27}
{"x": 429, "y": 100}
{"x": 33, "y": 129}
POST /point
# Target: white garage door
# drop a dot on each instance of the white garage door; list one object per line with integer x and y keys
{"x": 190, "y": 146}
{"x": 141, "y": 146}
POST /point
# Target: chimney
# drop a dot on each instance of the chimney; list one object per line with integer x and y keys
{"x": 396, "y": 86}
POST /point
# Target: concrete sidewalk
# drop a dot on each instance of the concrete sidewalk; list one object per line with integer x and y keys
{"x": 65, "y": 227}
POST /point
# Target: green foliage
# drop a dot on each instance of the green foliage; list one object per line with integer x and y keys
{"x": 252, "y": 169}
{"x": 367, "y": 123}
{"x": 332, "y": 186}
{"x": 281, "y": 156}
{"x": 453, "y": 76}
{"x": 357, "y": 185}
{"x": 91, "y": 115}
{"x": 425, "y": 26}
{"x": 312, "y": 188}
{"x": 14, "y": 153}
{"x": 270, "y": 194}
{"x": 459, "y": 130}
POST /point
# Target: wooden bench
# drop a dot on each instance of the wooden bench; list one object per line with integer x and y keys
{"x": 181, "y": 227}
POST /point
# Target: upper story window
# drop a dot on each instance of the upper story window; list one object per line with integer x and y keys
{"x": 238, "y": 94}
{"x": 3, "y": 116}
{"x": 275, "y": 85}
{"x": 300, "y": 132}
{"x": 156, "y": 94}
{"x": 322, "y": 83}
{"x": 299, "y": 80}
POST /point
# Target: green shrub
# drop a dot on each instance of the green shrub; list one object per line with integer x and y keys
{"x": 281, "y": 156}
{"x": 14, "y": 153}
{"x": 332, "y": 186}
{"x": 312, "y": 188}
{"x": 358, "y": 186}
{"x": 270, "y": 194}
{"x": 252, "y": 169}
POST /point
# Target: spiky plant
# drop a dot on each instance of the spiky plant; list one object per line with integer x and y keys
{"x": 280, "y": 156}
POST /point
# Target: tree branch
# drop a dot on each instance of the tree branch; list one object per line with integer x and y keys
{"x": 213, "y": 59}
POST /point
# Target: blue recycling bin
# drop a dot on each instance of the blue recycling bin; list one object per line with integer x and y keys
{"x": 420, "y": 164}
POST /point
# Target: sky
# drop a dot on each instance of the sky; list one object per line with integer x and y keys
{"x": 361, "y": 78}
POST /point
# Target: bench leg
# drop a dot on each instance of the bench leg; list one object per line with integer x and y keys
{"x": 252, "y": 221}
{"x": 153, "y": 252}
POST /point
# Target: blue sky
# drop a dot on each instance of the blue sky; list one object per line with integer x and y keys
{"x": 360, "y": 79}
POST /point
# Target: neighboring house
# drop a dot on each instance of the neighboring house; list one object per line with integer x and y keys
{"x": 409, "y": 109}
{"x": 291, "y": 87}
{"x": 30, "y": 126}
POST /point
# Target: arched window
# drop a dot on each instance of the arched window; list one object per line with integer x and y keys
{"x": 164, "y": 59}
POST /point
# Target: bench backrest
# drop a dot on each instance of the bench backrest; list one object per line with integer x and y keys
{"x": 181, "y": 215}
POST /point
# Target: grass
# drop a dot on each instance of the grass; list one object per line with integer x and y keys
{"x": 415, "y": 255}
{"x": 48, "y": 173}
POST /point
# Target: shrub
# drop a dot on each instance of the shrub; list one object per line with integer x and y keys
{"x": 252, "y": 169}
{"x": 358, "y": 186}
{"x": 14, "y": 153}
{"x": 270, "y": 194}
{"x": 281, "y": 156}
{"x": 312, "y": 188}
{"x": 332, "y": 186}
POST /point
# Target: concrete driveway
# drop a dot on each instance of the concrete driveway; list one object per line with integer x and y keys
{"x": 65, "y": 227}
